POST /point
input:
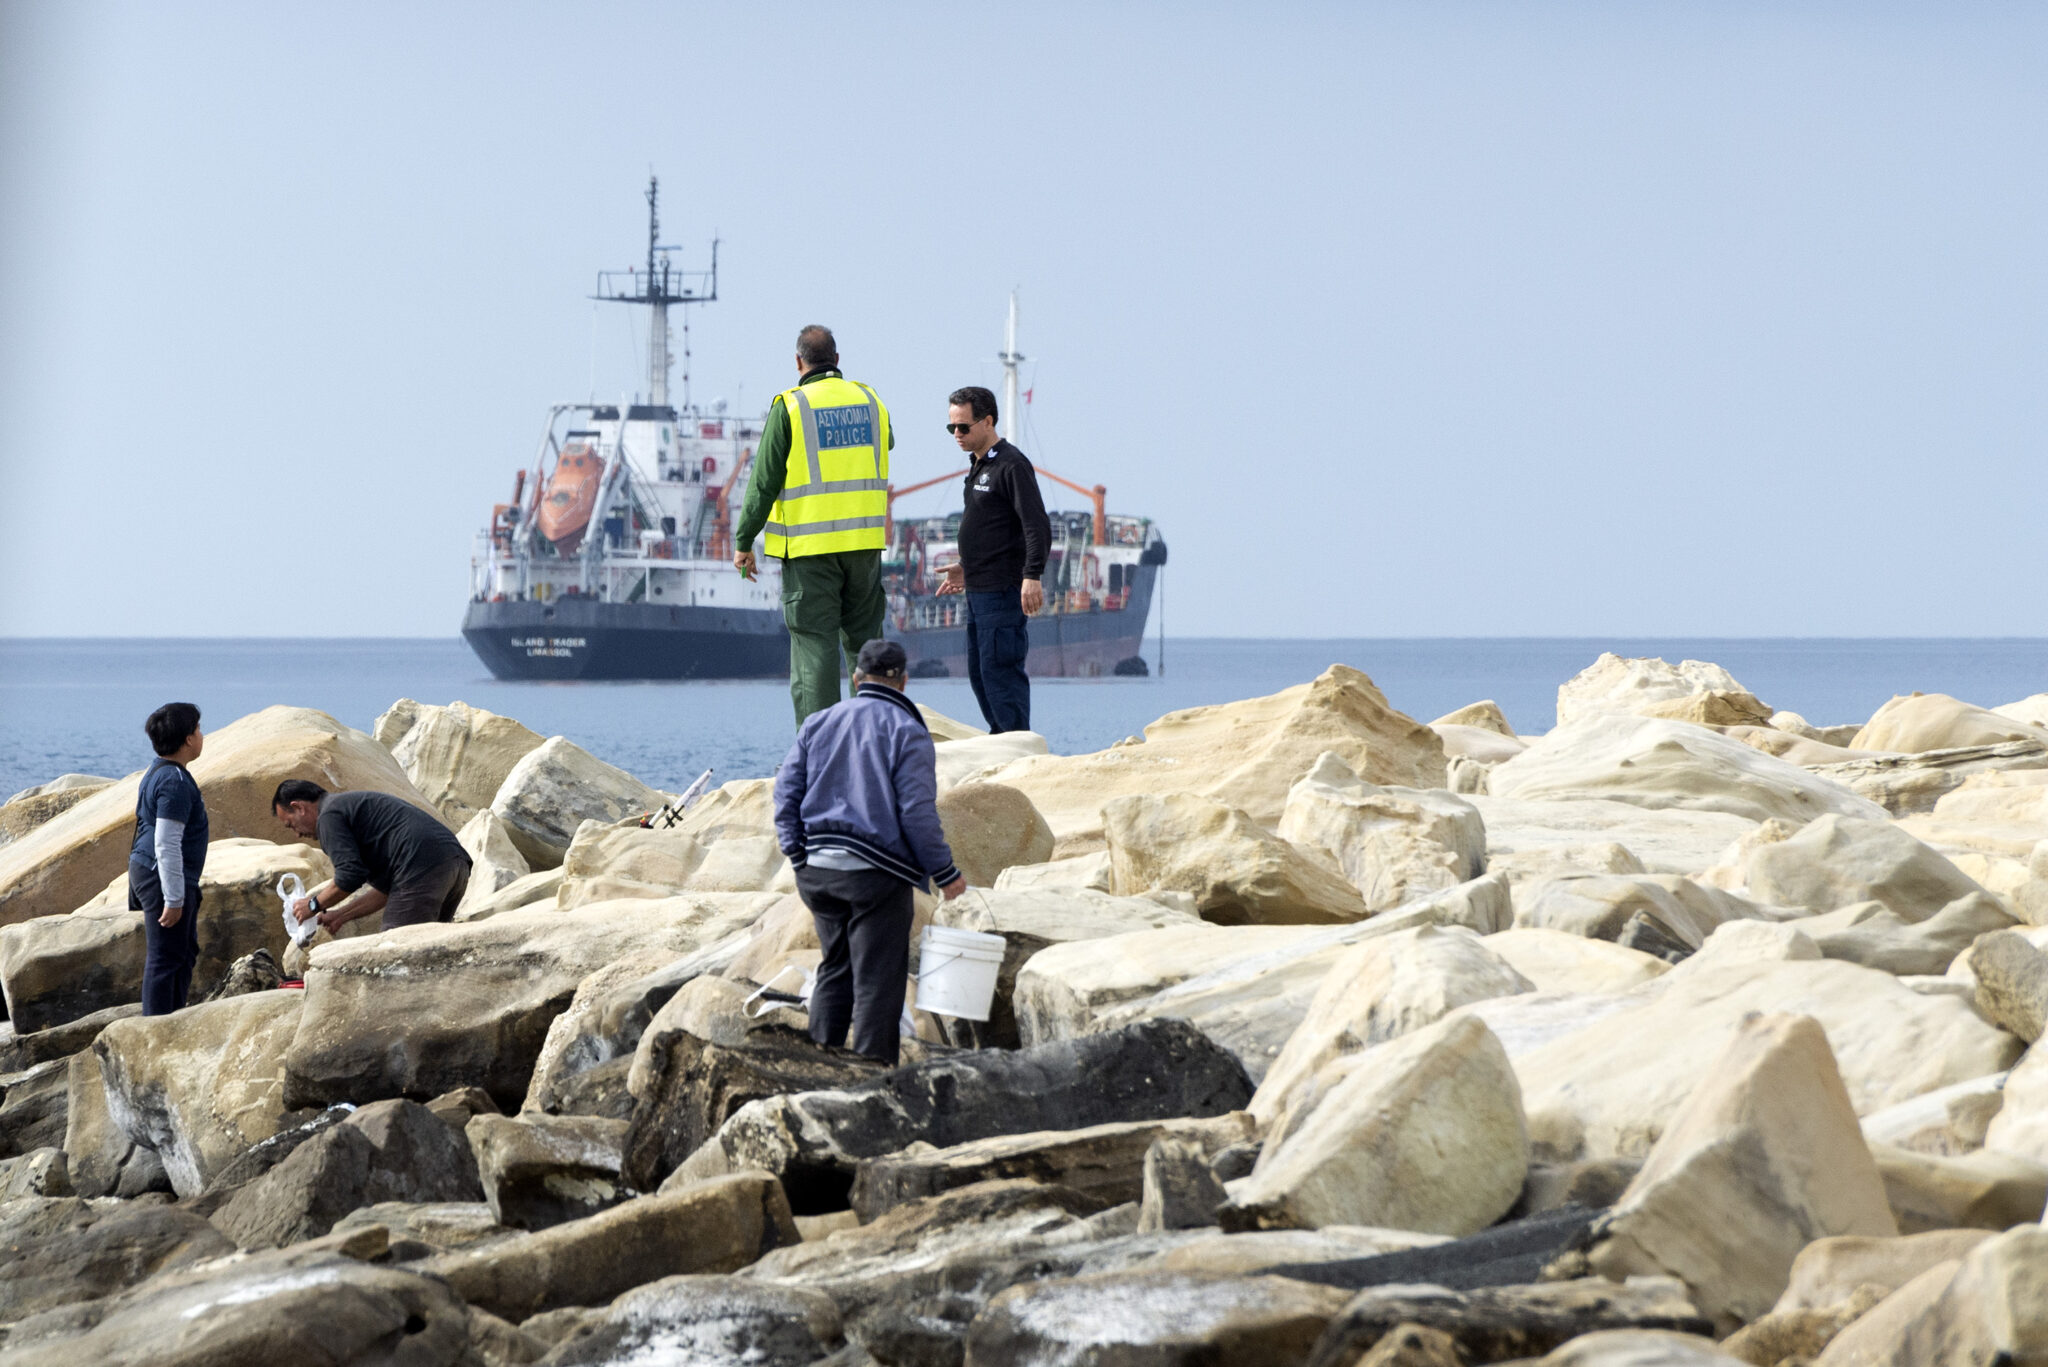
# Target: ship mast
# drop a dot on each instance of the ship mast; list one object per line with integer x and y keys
{"x": 1010, "y": 357}
{"x": 660, "y": 286}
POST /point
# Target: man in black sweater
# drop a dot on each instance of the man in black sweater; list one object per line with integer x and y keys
{"x": 388, "y": 856}
{"x": 1004, "y": 537}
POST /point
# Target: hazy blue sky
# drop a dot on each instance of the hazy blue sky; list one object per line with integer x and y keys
{"x": 1403, "y": 319}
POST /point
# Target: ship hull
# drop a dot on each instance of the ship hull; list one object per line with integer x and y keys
{"x": 589, "y": 639}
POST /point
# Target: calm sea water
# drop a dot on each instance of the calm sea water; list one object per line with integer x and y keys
{"x": 77, "y": 705}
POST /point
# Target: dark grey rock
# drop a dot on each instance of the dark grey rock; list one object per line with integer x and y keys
{"x": 706, "y": 1320}
{"x": 264, "y": 1155}
{"x": 61, "y": 1251}
{"x": 32, "y": 1114}
{"x": 1236, "y": 1160}
{"x": 20, "y": 1052}
{"x": 387, "y": 1151}
{"x": 1595, "y": 1184}
{"x": 1181, "y": 1190}
{"x": 599, "y": 1092}
{"x": 1644, "y": 932}
{"x": 457, "y": 1107}
{"x": 543, "y": 1170}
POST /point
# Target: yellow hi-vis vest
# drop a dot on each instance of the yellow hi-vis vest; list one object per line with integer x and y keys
{"x": 835, "y": 491}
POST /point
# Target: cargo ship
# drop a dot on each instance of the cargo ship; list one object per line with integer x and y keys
{"x": 613, "y": 557}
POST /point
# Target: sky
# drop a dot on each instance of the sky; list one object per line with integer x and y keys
{"x": 1406, "y": 319}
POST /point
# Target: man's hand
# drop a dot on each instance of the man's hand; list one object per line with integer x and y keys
{"x": 743, "y": 561}
{"x": 170, "y": 916}
{"x": 1032, "y": 597}
{"x": 952, "y": 580}
{"x": 955, "y": 888}
{"x": 334, "y": 918}
{"x": 302, "y": 908}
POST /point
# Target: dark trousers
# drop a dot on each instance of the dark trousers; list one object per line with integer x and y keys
{"x": 833, "y": 605}
{"x": 429, "y": 898}
{"x": 998, "y": 639}
{"x": 863, "y": 918}
{"x": 169, "y": 954}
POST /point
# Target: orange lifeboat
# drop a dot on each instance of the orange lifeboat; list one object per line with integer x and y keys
{"x": 571, "y": 496}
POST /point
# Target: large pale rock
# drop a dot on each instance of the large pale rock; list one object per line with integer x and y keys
{"x": 2031, "y": 710}
{"x": 543, "y": 1170}
{"x": 991, "y": 827}
{"x": 1982, "y": 1190}
{"x": 469, "y": 1003}
{"x": 535, "y": 889}
{"x": 56, "y": 969}
{"x": 101, "y": 1158}
{"x": 64, "y": 862}
{"x": 1872, "y": 934}
{"x": 971, "y": 757}
{"x": 1829, "y": 1271}
{"x": 1080, "y": 871}
{"x": 1530, "y": 840}
{"x": 63, "y": 1251}
{"x": 602, "y": 1025}
{"x": 1394, "y": 844}
{"x": 1477, "y": 745}
{"x": 1245, "y": 753}
{"x": 716, "y": 1226}
{"x": 1601, "y": 906}
{"x": 1379, "y": 990}
{"x": 1993, "y": 1310}
{"x": 1912, "y": 784}
{"x": 201, "y": 1085}
{"x": 31, "y": 807}
{"x": 458, "y": 756}
{"x": 2012, "y": 982}
{"x": 1948, "y": 1120}
{"x": 707, "y": 1319}
{"x": 1610, "y": 1088}
{"x": 495, "y": 862}
{"x": 1423, "y": 1133}
{"x": 1764, "y": 1157}
{"x": 1614, "y": 683}
{"x": 1153, "y": 1317}
{"x": 1670, "y": 765}
{"x": 1715, "y": 707}
{"x": 1557, "y": 961}
{"x": 2021, "y": 1125}
{"x": 1484, "y": 716}
{"x": 555, "y": 788}
{"x": 1238, "y": 872}
{"x": 1935, "y": 721}
{"x": 1838, "y": 861}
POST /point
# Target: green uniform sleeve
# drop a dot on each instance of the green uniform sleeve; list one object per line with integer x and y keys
{"x": 764, "y": 485}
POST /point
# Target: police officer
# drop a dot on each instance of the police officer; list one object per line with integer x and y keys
{"x": 820, "y": 492}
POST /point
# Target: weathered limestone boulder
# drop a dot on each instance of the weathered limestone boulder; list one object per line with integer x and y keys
{"x": 469, "y": 1003}
{"x": 606, "y": 863}
{"x": 1790, "y": 746}
{"x": 716, "y": 1226}
{"x": 1982, "y": 1190}
{"x": 33, "y": 1114}
{"x": 1992, "y": 1310}
{"x": 1153, "y": 1071}
{"x": 1245, "y": 753}
{"x": 2012, "y": 983}
{"x": 1935, "y": 721}
{"x": 1237, "y": 871}
{"x": 1557, "y": 961}
{"x": 2021, "y": 1124}
{"x": 31, "y": 807}
{"x": 1872, "y": 934}
{"x": 1180, "y": 1187}
{"x": 543, "y": 1170}
{"x": 1670, "y": 765}
{"x": 1090, "y": 871}
{"x": 60, "y": 1251}
{"x": 1609, "y": 1088}
{"x": 1601, "y": 906}
{"x": 1829, "y": 1271}
{"x": 709, "y": 1007}
{"x": 1153, "y": 1317}
{"x": 991, "y": 827}
{"x": 602, "y": 1025}
{"x": 1715, "y": 707}
{"x": 457, "y": 756}
{"x": 1030, "y": 921}
{"x": 1380, "y": 990}
{"x": 1422, "y": 1133}
{"x": 1636, "y": 1348}
{"x": 555, "y": 788}
{"x": 427, "y": 1227}
{"x": 2032, "y": 710}
{"x": 201, "y": 1085}
{"x": 20, "y": 1052}
{"x": 970, "y": 757}
{"x": 707, "y": 1319}
{"x": 1248, "y": 994}
{"x": 1764, "y": 1157}
{"x": 1393, "y": 844}
{"x": 1838, "y": 861}
{"x": 38, "y": 1172}
{"x": 63, "y": 863}
{"x": 1532, "y": 840}
{"x": 2003, "y": 811}
{"x": 1495, "y": 1323}
{"x": 1103, "y": 1162}
{"x": 56, "y": 969}
{"x": 495, "y": 862}
{"x": 1949, "y": 1120}
{"x": 540, "y": 889}
{"x": 1484, "y": 716}
{"x": 386, "y": 1151}
{"x": 1911, "y": 784}
{"x": 1614, "y": 683}
{"x": 285, "y": 1306}
{"x": 102, "y": 1159}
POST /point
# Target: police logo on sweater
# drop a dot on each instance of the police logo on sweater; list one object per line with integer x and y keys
{"x": 842, "y": 427}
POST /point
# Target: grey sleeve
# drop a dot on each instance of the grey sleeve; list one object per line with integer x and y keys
{"x": 170, "y": 860}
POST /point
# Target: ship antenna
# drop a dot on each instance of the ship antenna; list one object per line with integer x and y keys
{"x": 662, "y": 286}
{"x": 1010, "y": 357}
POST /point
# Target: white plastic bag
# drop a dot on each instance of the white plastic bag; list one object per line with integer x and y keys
{"x": 291, "y": 888}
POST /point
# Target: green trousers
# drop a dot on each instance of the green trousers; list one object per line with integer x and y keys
{"x": 830, "y": 603}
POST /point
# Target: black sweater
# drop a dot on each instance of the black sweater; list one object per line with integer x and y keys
{"x": 1004, "y": 534}
{"x": 381, "y": 840}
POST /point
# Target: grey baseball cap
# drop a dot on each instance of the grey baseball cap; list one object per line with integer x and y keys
{"x": 882, "y": 657}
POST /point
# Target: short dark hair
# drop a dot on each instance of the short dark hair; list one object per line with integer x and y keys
{"x": 296, "y": 790}
{"x": 815, "y": 347}
{"x": 170, "y": 726}
{"x": 882, "y": 660}
{"x": 982, "y": 401}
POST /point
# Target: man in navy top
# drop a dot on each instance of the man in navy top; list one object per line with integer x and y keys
{"x": 167, "y": 858}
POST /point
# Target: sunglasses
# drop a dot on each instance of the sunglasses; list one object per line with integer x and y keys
{"x": 959, "y": 429}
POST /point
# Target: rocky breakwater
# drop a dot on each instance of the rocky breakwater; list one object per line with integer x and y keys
{"x": 1689, "y": 1032}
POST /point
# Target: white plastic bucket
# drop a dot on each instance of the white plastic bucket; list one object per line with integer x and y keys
{"x": 956, "y": 972}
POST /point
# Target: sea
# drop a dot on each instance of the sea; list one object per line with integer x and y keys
{"x": 77, "y": 705}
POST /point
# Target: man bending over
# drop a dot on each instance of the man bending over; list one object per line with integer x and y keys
{"x": 388, "y": 856}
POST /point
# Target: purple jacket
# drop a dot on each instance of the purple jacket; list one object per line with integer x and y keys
{"x": 863, "y": 777}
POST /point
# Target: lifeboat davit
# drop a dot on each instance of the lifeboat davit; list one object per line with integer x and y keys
{"x": 570, "y": 497}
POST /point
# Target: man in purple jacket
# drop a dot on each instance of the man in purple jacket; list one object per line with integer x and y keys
{"x": 856, "y": 811}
